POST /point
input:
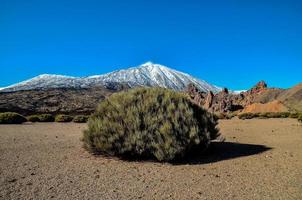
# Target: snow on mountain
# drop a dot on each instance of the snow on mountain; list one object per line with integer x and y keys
{"x": 148, "y": 74}
{"x": 239, "y": 91}
{"x": 44, "y": 81}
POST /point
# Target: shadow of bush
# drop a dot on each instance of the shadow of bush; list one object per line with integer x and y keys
{"x": 219, "y": 151}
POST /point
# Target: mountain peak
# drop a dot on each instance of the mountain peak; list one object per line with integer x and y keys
{"x": 153, "y": 66}
{"x": 147, "y": 75}
{"x": 147, "y": 63}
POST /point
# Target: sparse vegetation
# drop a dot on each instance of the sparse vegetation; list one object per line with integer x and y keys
{"x": 33, "y": 118}
{"x": 11, "y": 118}
{"x": 294, "y": 115}
{"x": 248, "y": 115}
{"x": 277, "y": 114}
{"x": 80, "y": 119}
{"x": 63, "y": 118}
{"x": 58, "y": 118}
{"x": 219, "y": 115}
{"x": 46, "y": 118}
{"x": 224, "y": 115}
{"x": 265, "y": 115}
{"x": 149, "y": 123}
{"x": 300, "y": 118}
{"x": 284, "y": 114}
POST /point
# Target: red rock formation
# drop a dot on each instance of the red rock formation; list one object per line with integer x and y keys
{"x": 259, "y": 96}
{"x": 258, "y": 88}
{"x": 196, "y": 96}
{"x": 209, "y": 100}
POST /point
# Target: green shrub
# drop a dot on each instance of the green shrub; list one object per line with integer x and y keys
{"x": 33, "y": 118}
{"x": 80, "y": 119}
{"x": 11, "y": 118}
{"x": 277, "y": 114}
{"x": 224, "y": 116}
{"x": 263, "y": 116}
{"x": 294, "y": 115}
{"x": 63, "y": 118}
{"x": 284, "y": 114}
{"x": 149, "y": 123}
{"x": 248, "y": 115}
{"x": 41, "y": 118}
{"x": 300, "y": 117}
{"x": 232, "y": 115}
{"x": 46, "y": 118}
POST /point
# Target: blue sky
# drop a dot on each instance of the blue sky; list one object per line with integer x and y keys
{"x": 227, "y": 43}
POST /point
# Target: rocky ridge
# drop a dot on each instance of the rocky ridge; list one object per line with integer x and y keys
{"x": 258, "y": 98}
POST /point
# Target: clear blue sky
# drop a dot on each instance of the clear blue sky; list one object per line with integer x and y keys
{"x": 227, "y": 43}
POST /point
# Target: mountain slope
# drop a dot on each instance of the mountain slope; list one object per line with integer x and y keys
{"x": 54, "y": 101}
{"x": 259, "y": 98}
{"x": 292, "y": 97}
{"x": 148, "y": 74}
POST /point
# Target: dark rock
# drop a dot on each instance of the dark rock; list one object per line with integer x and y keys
{"x": 12, "y": 180}
{"x": 54, "y": 101}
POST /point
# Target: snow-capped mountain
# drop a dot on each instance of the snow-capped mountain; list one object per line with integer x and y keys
{"x": 148, "y": 74}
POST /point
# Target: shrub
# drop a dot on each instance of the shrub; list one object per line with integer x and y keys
{"x": 263, "y": 116}
{"x": 232, "y": 115}
{"x": 11, "y": 118}
{"x": 300, "y": 117}
{"x": 284, "y": 114}
{"x": 149, "y": 123}
{"x": 294, "y": 115}
{"x": 33, "y": 118}
{"x": 277, "y": 114}
{"x": 46, "y": 118}
{"x": 63, "y": 118}
{"x": 224, "y": 116}
{"x": 248, "y": 115}
{"x": 41, "y": 118}
{"x": 80, "y": 119}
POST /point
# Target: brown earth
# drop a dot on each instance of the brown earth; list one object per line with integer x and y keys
{"x": 292, "y": 97}
{"x": 274, "y": 106}
{"x": 261, "y": 159}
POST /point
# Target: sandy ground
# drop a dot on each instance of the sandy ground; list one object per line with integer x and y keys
{"x": 261, "y": 159}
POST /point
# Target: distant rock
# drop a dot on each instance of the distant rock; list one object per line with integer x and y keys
{"x": 259, "y": 98}
{"x": 219, "y": 102}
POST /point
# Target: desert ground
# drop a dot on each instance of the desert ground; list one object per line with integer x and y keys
{"x": 260, "y": 159}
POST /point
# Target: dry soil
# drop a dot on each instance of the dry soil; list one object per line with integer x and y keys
{"x": 260, "y": 159}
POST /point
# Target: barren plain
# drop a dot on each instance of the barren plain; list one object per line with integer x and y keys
{"x": 260, "y": 159}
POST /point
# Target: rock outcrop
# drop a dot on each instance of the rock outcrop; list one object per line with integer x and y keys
{"x": 197, "y": 96}
{"x": 258, "y": 98}
{"x": 209, "y": 100}
{"x": 258, "y": 88}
